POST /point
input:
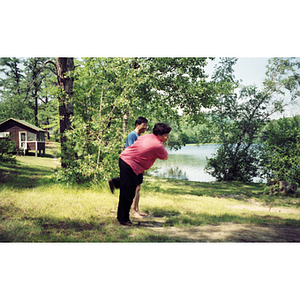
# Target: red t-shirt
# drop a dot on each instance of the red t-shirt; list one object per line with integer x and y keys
{"x": 141, "y": 155}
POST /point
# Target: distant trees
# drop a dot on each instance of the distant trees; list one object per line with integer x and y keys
{"x": 23, "y": 87}
{"x": 34, "y": 84}
{"x": 11, "y": 94}
{"x": 28, "y": 92}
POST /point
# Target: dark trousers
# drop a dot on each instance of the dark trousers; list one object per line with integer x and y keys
{"x": 128, "y": 184}
{"x": 116, "y": 181}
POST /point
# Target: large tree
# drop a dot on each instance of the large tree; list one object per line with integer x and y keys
{"x": 238, "y": 120}
{"x": 64, "y": 66}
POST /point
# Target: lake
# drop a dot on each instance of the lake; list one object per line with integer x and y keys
{"x": 187, "y": 163}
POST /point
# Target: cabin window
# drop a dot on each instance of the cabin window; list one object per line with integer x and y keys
{"x": 4, "y": 134}
{"x": 31, "y": 137}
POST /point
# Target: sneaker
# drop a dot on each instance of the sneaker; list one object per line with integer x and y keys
{"x": 111, "y": 185}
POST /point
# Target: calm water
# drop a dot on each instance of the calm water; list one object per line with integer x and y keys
{"x": 187, "y": 163}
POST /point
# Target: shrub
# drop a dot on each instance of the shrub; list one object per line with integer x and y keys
{"x": 281, "y": 152}
{"x": 7, "y": 149}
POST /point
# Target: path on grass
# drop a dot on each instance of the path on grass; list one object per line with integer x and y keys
{"x": 231, "y": 232}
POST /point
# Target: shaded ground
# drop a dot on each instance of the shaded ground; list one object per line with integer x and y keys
{"x": 232, "y": 232}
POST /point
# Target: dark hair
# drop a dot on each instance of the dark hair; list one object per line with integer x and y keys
{"x": 140, "y": 120}
{"x": 161, "y": 128}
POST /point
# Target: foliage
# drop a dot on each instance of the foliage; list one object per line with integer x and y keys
{"x": 7, "y": 149}
{"x": 11, "y": 92}
{"x": 176, "y": 85}
{"x": 100, "y": 90}
{"x": 185, "y": 131}
{"x": 110, "y": 93}
{"x": 239, "y": 120}
{"x": 281, "y": 151}
{"x": 26, "y": 90}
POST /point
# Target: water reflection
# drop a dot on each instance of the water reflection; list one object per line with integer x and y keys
{"x": 187, "y": 163}
{"x": 173, "y": 172}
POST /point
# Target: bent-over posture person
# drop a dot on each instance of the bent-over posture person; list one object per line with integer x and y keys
{"x": 136, "y": 159}
{"x": 141, "y": 125}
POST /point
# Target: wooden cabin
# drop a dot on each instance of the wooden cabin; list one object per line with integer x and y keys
{"x": 26, "y": 136}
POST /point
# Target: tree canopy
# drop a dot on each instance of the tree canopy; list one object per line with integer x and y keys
{"x": 240, "y": 118}
{"x": 91, "y": 104}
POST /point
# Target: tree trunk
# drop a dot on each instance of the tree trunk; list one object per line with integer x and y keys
{"x": 125, "y": 122}
{"x": 66, "y": 110}
{"x": 47, "y": 120}
{"x": 36, "y": 108}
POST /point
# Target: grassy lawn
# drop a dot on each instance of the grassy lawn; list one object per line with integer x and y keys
{"x": 34, "y": 209}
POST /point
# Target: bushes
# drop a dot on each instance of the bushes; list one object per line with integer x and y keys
{"x": 281, "y": 152}
{"x": 7, "y": 149}
{"x": 234, "y": 164}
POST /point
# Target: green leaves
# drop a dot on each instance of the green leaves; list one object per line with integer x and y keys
{"x": 281, "y": 152}
{"x": 107, "y": 91}
{"x": 239, "y": 119}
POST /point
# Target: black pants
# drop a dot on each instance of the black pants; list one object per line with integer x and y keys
{"x": 128, "y": 184}
{"x": 117, "y": 181}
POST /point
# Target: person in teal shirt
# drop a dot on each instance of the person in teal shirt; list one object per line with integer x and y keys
{"x": 132, "y": 137}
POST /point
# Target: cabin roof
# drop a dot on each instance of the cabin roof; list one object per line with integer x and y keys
{"x": 25, "y": 124}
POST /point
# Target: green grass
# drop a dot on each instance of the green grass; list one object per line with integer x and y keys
{"x": 34, "y": 209}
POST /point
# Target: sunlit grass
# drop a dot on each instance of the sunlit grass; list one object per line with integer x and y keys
{"x": 34, "y": 209}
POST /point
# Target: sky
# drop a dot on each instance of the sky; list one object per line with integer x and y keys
{"x": 251, "y": 70}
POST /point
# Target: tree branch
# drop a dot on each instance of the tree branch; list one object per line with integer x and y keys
{"x": 33, "y": 80}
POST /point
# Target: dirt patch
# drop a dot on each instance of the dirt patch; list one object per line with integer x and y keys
{"x": 267, "y": 209}
{"x": 233, "y": 233}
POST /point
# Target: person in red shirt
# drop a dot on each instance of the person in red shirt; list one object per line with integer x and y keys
{"x": 141, "y": 125}
{"x": 136, "y": 159}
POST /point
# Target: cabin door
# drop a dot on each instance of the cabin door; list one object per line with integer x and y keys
{"x": 23, "y": 139}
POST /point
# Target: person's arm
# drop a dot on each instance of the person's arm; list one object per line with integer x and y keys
{"x": 162, "y": 153}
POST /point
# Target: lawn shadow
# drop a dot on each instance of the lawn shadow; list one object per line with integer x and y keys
{"x": 20, "y": 176}
{"x": 51, "y": 229}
